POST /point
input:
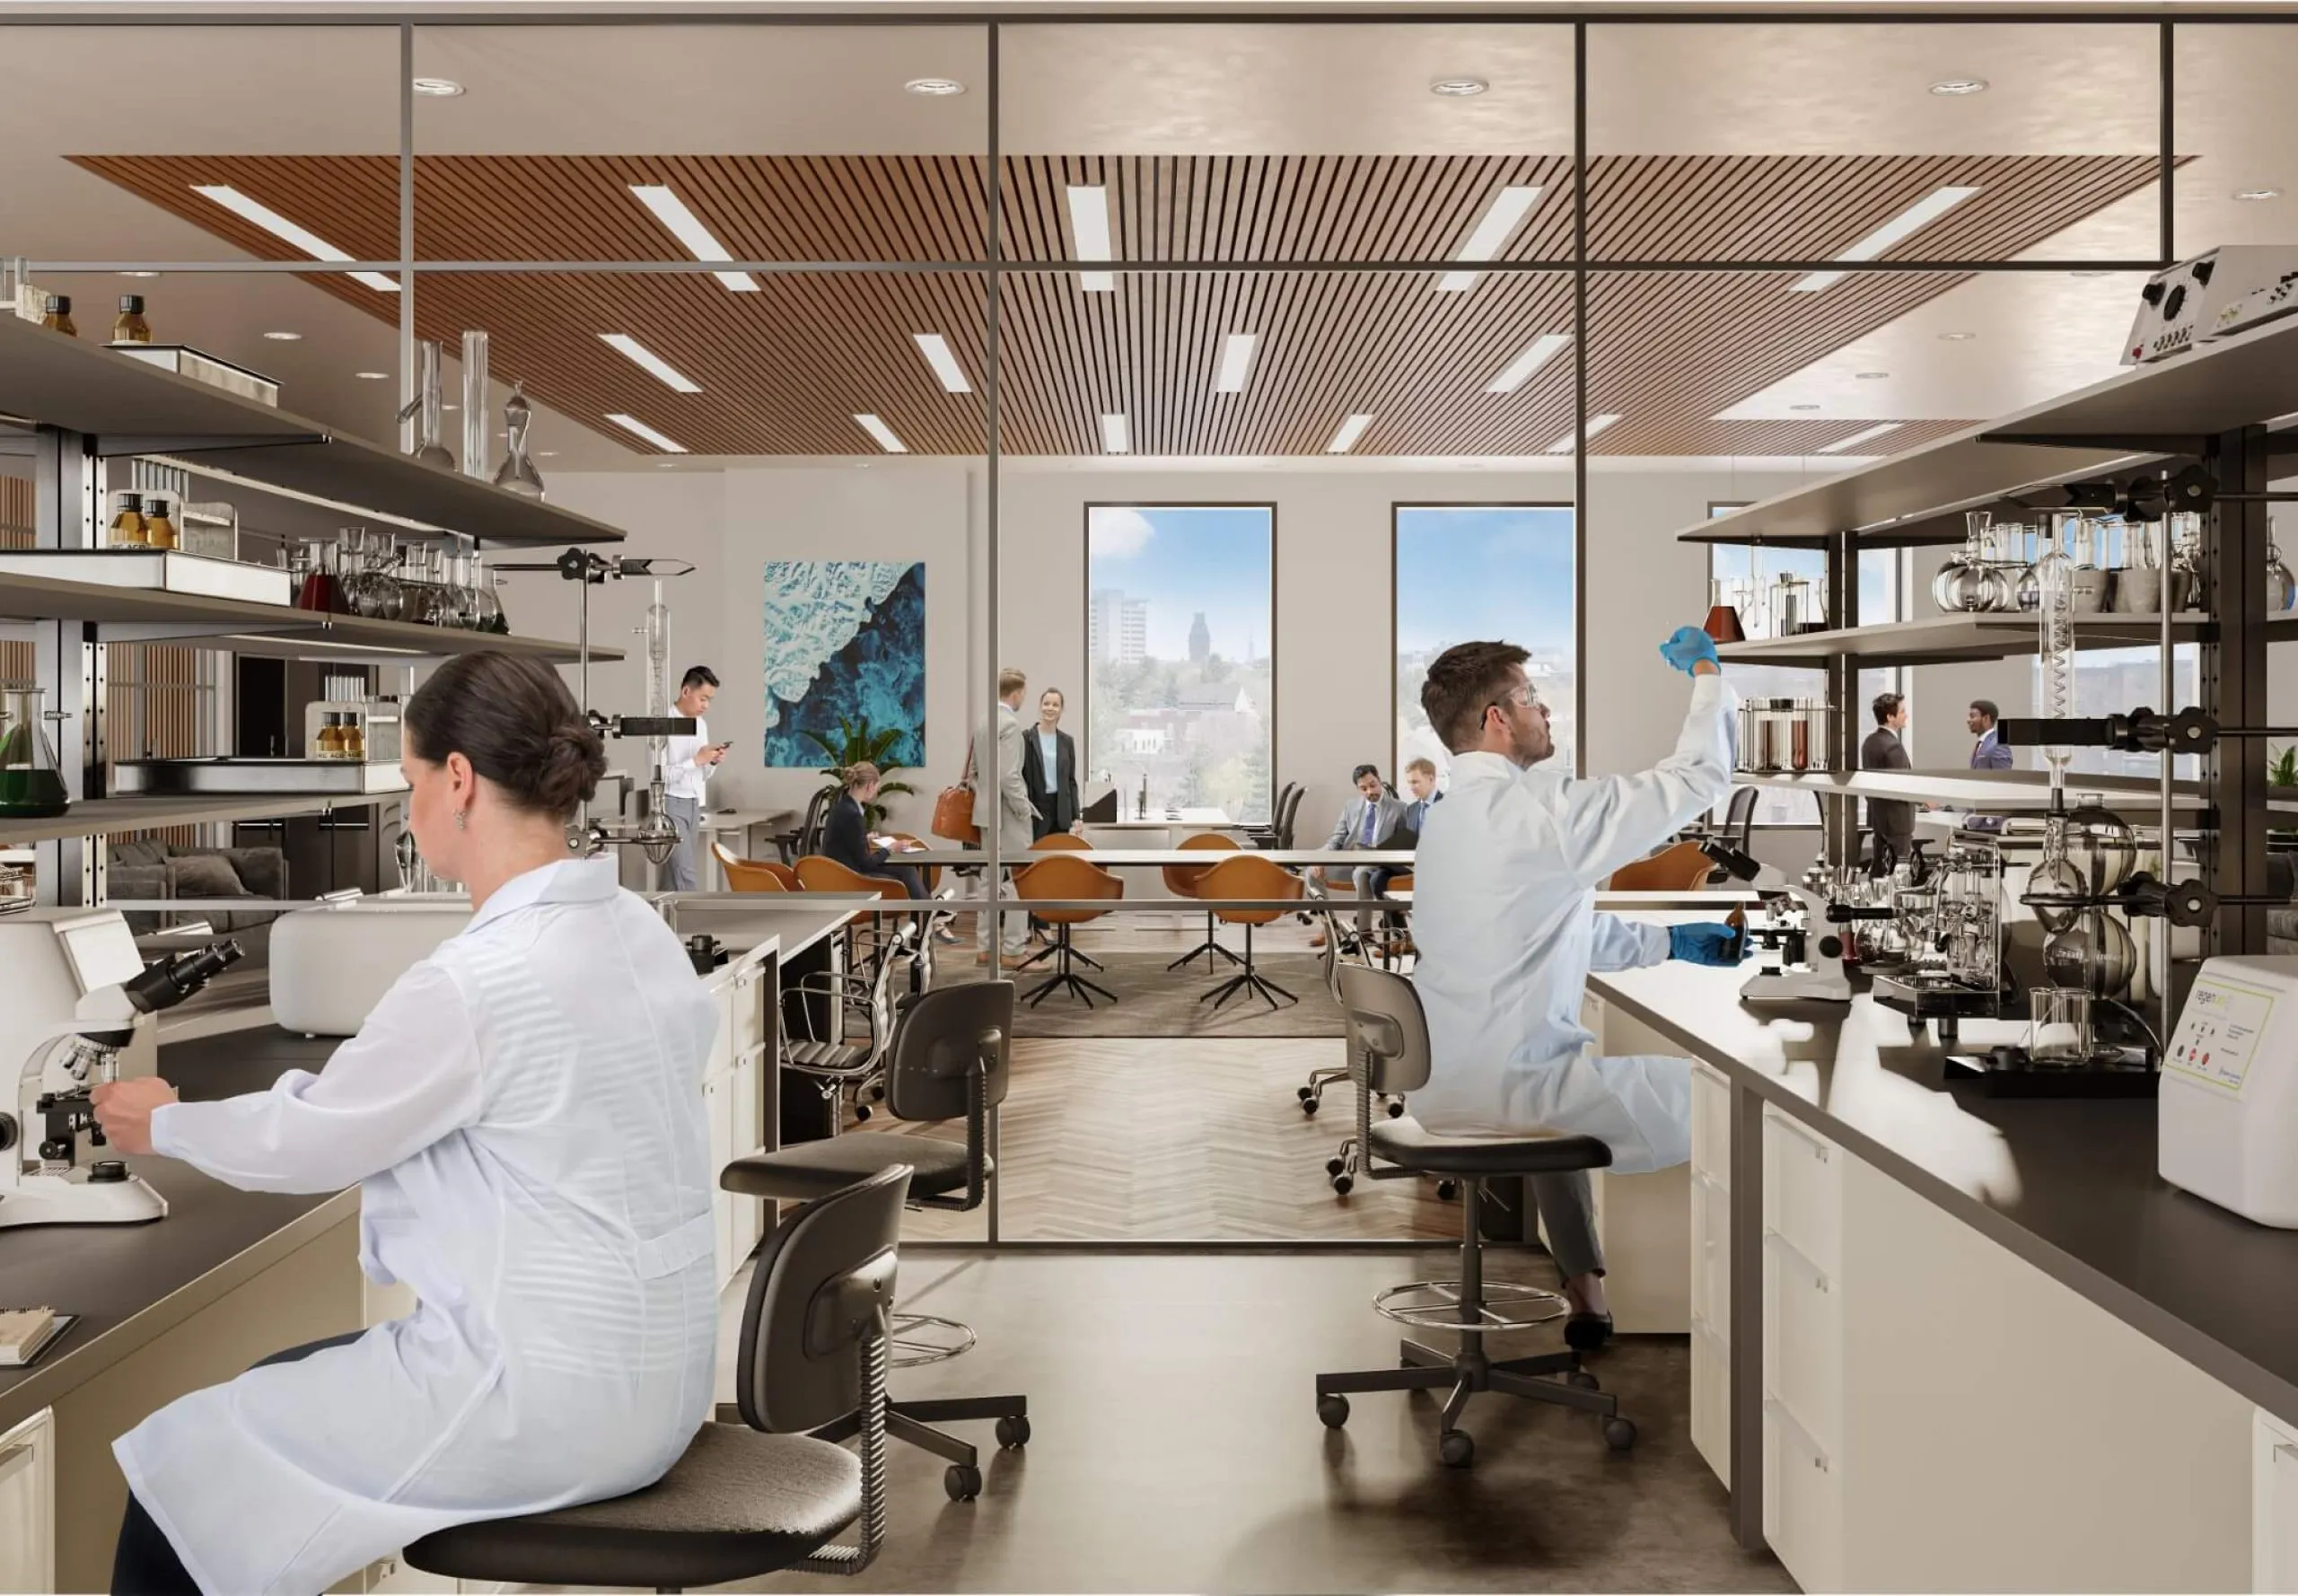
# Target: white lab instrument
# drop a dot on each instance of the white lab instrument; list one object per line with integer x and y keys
{"x": 1810, "y": 952}
{"x": 2217, "y": 293}
{"x": 2227, "y": 1117}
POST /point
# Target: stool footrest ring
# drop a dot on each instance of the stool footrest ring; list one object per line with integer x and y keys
{"x": 1435, "y": 1305}
{"x": 922, "y": 1338}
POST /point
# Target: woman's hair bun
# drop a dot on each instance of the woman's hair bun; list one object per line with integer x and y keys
{"x": 572, "y": 765}
{"x": 513, "y": 719}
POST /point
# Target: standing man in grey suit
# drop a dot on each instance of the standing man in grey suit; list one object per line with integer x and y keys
{"x": 1001, "y": 799}
{"x": 1366, "y": 821}
{"x": 1891, "y": 821}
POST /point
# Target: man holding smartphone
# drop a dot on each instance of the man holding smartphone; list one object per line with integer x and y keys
{"x": 687, "y": 764}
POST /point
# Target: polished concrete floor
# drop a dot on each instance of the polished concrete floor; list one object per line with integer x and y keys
{"x": 1177, "y": 1447}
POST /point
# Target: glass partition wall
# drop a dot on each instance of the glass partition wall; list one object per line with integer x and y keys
{"x": 1212, "y": 375}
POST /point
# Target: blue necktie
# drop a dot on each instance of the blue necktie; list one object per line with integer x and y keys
{"x": 1369, "y": 812}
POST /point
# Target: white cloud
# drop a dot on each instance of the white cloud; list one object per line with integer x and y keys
{"x": 1121, "y": 533}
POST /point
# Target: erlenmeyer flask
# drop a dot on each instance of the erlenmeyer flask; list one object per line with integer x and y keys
{"x": 517, "y": 472}
{"x": 31, "y": 785}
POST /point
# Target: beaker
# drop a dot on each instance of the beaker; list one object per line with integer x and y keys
{"x": 31, "y": 783}
{"x": 2060, "y": 1028}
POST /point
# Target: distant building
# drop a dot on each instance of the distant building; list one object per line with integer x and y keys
{"x": 1200, "y": 640}
{"x": 1117, "y": 630}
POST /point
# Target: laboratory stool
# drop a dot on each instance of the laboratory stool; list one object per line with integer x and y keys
{"x": 1389, "y": 1036}
{"x": 759, "y": 1495}
{"x": 948, "y": 1059}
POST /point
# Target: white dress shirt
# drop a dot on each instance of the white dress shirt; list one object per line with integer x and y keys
{"x": 681, "y": 776}
{"x": 523, "y": 1114}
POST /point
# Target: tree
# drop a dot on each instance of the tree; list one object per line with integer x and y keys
{"x": 1217, "y": 669}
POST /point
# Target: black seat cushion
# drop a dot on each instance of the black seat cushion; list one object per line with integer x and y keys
{"x": 829, "y": 1055}
{"x": 810, "y": 1169}
{"x": 740, "y": 1504}
{"x": 1403, "y": 1143}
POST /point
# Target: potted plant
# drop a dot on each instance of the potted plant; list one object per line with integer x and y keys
{"x": 856, "y": 742}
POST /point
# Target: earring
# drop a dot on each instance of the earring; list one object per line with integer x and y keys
{"x": 462, "y": 819}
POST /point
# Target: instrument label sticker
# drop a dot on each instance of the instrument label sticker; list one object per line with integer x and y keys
{"x": 2218, "y": 1035}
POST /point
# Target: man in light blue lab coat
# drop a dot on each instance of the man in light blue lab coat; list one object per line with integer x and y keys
{"x": 1506, "y": 922}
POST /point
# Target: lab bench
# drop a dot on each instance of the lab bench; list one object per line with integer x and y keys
{"x": 1944, "y": 1341}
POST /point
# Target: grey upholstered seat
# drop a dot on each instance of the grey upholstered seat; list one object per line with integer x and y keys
{"x": 1405, "y": 1144}
{"x": 826, "y": 1056}
{"x": 807, "y": 1170}
{"x": 738, "y": 1502}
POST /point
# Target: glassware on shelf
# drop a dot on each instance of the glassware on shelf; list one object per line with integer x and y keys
{"x": 2094, "y": 955}
{"x": 31, "y": 782}
{"x": 130, "y": 326}
{"x": 2281, "y": 590}
{"x": 320, "y": 587}
{"x": 59, "y": 316}
{"x": 427, "y": 408}
{"x": 159, "y": 531}
{"x": 127, "y": 522}
{"x": 2139, "y": 584}
{"x": 1969, "y": 582}
{"x": 2055, "y": 678}
{"x": 1794, "y": 608}
{"x": 2090, "y": 580}
{"x": 488, "y": 603}
{"x": 2188, "y": 590}
{"x": 461, "y": 602}
{"x": 517, "y": 473}
{"x": 2060, "y": 1028}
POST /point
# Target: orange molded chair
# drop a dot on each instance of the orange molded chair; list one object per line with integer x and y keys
{"x": 1181, "y": 881}
{"x": 1247, "y": 875}
{"x": 1678, "y": 869}
{"x": 1060, "y": 842}
{"x": 1061, "y": 874}
{"x": 817, "y": 873}
{"x": 754, "y": 875}
{"x": 930, "y": 874}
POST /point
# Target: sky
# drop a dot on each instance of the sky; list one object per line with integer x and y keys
{"x": 1181, "y": 560}
{"x": 1484, "y": 572}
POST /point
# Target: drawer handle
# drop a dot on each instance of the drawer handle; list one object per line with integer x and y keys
{"x": 15, "y": 1460}
{"x": 1819, "y": 1276}
{"x": 2284, "y": 1452}
{"x": 1819, "y": 1148}
{"x": 1778, "y": 1410}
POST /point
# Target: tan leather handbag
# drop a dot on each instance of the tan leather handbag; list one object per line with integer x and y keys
{"x": 953, "y": 810}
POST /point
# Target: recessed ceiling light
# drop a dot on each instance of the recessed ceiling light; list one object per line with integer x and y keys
{"x": 310, "y": 243}
{"x": 936, "y": 350}
{"x": 285, "y": 338}
{"x": 1089, "y": 235}
{"x": 1803, "y": 407}
{"x": 883, "y": 434}
{"x": 1950, "y": 87}
{"x": 2254, "y": 194}
{"x": 1508, "y": 208}
{"x": 438, "y": 88}
{"x": 2091, "y": 274}
{"x": 1856, "y": 439}
{"x": 1596, "y": 424}
{"x": 1872, "y": 376}
{"x": 1957, "y": 338}
{"x": 1458, "y": 88}
{"x": 1236, "y": 361}
{"x": 646, "y": 360}
{"x": 637, "y": 428}
{"x": 139, "y": 274}
{"x": 934, "y": 87}
{"x": 372, "y": 376}
{"x": 1116, "y": 438}
{"x": 687, "y": 227}
{"x": 1914, "y": 219}
{"x": 666, "y": 465}
{"x": 1352, "y": 427}
{"x": 451, "y": 407}
{"x": 1533, "y": 355}
{"x": 546, "y": 454}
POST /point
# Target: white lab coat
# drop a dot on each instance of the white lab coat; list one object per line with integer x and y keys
{"x": 524, "y": 1112}
{"x": 1504, "y": 920}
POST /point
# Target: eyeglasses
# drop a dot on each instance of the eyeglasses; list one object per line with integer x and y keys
{"x": 1527, "y": 696}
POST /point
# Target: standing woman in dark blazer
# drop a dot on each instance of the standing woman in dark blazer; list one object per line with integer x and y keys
{"x": 1049, "y": 767}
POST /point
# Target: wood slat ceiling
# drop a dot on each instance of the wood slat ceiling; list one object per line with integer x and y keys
{"x": 783, "y": 370}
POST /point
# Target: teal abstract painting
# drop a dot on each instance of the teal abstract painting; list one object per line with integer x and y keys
{"x": 844, "y": 639}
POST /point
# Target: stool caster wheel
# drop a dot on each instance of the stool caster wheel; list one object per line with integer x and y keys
{"x": 1343, "y": 1184}
{"x": 1455, "y": 1448}
{"x": 1333, "y": 1410}
{"x": 1335, "y": 1166}
{"x": 961, "y": 1483}
{"x": 1583, "y": 1379}
{"x": 1309, "y": 1106}
{"x": 1446, "y": 1190}
{"x": 1306, "y": 1094}
{"x": 1395, "y": 1110}
{"x": 1013, "y": 1430}
{"x": 1620, "y": 1434}
{"x": 861, "y": 1113}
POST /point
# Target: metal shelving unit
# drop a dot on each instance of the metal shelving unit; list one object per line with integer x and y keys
{"x": 1946, "y": 639}
{"x": 2003, "y": 791}
{"x": 104, "y": 817}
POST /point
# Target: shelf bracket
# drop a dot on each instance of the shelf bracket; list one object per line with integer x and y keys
{"x": 112, "y": 448}
{"x": 2189, "y": 444}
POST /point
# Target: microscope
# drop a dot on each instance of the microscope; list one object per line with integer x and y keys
{"x": 64, "y": 1059}
{"x": 1804, "y": 959}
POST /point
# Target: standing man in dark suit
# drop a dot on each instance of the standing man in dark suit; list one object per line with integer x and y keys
{"x": 846, "y": 836}
{"x": 1050, "y": 768}
{"x": 1891, "y": 821}
{"x": 1988, "y": 753}
{"x": 1365, "y": 822}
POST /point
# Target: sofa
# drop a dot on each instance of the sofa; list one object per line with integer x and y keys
{"x": 151, "y": 870}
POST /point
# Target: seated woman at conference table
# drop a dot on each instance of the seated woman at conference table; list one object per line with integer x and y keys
{"x": 847, "y": 839}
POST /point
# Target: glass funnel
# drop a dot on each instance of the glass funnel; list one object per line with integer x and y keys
{"x": 31, "y": 783}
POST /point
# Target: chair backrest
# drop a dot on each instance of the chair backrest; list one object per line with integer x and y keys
{"x": 1180, "y": 880}
{"x": 1678, "y": 868}
{"x": 1067, "y": 875}
{"x": 1388, "y": 1033}
{"x": 1740, "y": 818}
{"x": 1060, "y": 842}
{"x": 1247, "y": 875}
{"x": 1292, "y": 811}
{"x": 824, "y": 1283}
{"x": 810, "y": 829}
{"x": 817, "y": 873}
{"x": 942, "y": 1038}
{"x": 753, "y": 875}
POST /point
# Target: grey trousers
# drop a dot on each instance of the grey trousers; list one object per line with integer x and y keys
{"x": 1566, "y": 1205}
{"x": 681, "y": 872}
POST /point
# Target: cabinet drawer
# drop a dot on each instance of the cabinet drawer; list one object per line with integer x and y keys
{"x": 28, "y": 1505}
{"x": 1711, "y": 1402}
{"x": 1803, "y": 1341}
{"x": 1711, "y": 1124}
{"x": 2274, "y": 1506}
{"x": 1711, "y": 1257}
{"x": 1803, "y": 1503}
{"x": 1802, "y": 1188}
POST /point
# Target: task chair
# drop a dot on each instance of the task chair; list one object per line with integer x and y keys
{"x": 1247, "y": 875}
{"x": 753, "y": 875}
{"x": 1266, "y": 836}
{"x": 1055, "y": 842}
{"x": 840, "y": 1063}
{"x": 949, "y": 1061}
{"x": 1056, "y": 877}
{"x": 1388, "y": 1044}
{"x": 1678, "y": 868}
{"x": 806, "y": 835}
{"x": 818, "y": 873}
{"x": 1181, "y": 879}
{"x": 762, "y": 1488}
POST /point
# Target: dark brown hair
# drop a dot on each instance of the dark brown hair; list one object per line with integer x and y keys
{"x": 1464, "y": 681}
{"x": 513, "y": 719}
{"x": 1886, "y": 705}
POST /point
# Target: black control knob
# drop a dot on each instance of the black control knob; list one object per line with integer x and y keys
{"x": 8, "y": 1132}
{"x": 2153, "y": 293}
{"x": 2173, "y": 302}
{"x": 107, "y": 1171}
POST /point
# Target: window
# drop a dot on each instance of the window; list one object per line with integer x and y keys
{"x": 2107, "y": 680}
{"x": 1180, "y": 655}
{"x": 1446, "y": 559}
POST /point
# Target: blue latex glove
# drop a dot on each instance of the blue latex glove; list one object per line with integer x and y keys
{"x": 1687, "y": 645}
{"x": 1708, "y": 942}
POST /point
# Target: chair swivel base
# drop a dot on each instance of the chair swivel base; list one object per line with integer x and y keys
{"x": 914, "y": 1422}
{"x": 1249, "y": 980}
{"x": 1467, "y": 1372}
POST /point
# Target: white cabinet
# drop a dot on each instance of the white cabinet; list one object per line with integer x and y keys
{"x": 1710, "y": 1310}
{"x": 718, "y": 1106}
{"x": 2274, "y": 1505}
{"x": 28, "y": 1505}
{"x": 1802, "y": 1351}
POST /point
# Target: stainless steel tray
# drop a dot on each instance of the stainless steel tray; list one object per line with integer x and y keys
{"x": 179, "y": 778}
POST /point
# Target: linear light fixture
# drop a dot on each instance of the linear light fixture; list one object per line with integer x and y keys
{"x": 937, "y": 352}
{"x": 1508, "y": 208}
{"x": 687, "y": 227}
{"x": 637, "y": 428}
{"x": 1596, "y": 424}
{"x": 310, "y": 243}
{"x": 646, "y": 360}
{"x": 1908, "y": 222}
{"x": 1352, "y": 427}
{"x": 1116, "y": 438}
{"x": 1089, "y": 235}
{"x": 1236, "y": 361}
{"x": 1856, "y": 439}
{"x": 1535, "y": 355}
{"x": 883, "y": 434}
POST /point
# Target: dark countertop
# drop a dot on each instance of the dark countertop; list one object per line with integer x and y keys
{"x": 131, "y": 1283}
{"x": 2069, "y": 1186}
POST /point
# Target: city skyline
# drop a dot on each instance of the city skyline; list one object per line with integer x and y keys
{"x": 1178, "y": 560}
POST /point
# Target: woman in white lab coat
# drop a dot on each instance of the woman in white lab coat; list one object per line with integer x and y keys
{"x": 523, "y": 1114}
